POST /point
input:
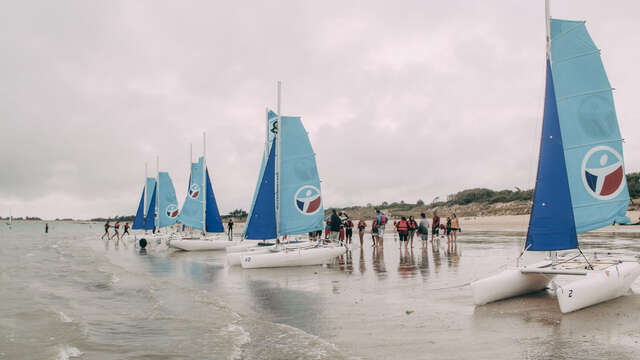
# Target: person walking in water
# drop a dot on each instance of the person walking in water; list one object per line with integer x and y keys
{"x": 448, "y": 229}
{"x": 455, "y": 227}
{"x": 115, "y": 229}
{"x": 361, "y": 226}
{"x": 348, "y": 230}
{"x": 423, "y": 228}
{"x": 435, "y": 225}
{"x": 403, "y": 230}
{"x": 106, "y": 231}
{"x": 413, "y": 225}
{"x": 126, "y": 230}
{"x": 335, "y": 226}
{"x": 382, "y": 220}
{"x": 230, "y": 229}
{"x": 46, "y": 228}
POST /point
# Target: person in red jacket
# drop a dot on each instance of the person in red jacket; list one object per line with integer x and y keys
{"x": 403, "y": 230}
{"x": 361, "y": 226}
{"x": 413, "y": 225}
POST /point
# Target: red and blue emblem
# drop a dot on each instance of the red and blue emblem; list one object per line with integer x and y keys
{"x": 172, "y": 211}
{"x": 308, "y": 200}
{"x": 603, "y": 172}
{"x": 194, "y": 191}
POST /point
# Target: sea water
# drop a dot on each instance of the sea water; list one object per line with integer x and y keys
{"x": 70, "y": 295}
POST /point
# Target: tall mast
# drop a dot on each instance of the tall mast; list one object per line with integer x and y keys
{"x": 156, "y": 216}
{"x": 203, "y": 191}
{"x": 146, "y": 194}
{"x": 266, "y": 137}
{"x": 277, "y": 158}
{"x": 547, "y": 19}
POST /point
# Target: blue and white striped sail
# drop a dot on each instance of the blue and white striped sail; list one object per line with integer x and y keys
{"x": 150, "y": 220}
{"x": 191, "y": 213}
{"x": 272, "y": 119}
{"x": 301, "y": 208}
{"x": 213, "y": 219}
{"x": 168, "y": 203}
{"x": 261, "y": 223}
{"x": 580, "y": 120}
{"x": 138, "y": 222}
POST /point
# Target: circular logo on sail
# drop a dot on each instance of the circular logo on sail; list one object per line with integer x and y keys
{"x": 194, "y": 191}
{"x": 172, "y": 210}
{"x": 308, "y": 199}
{"x": 602, "y": 172}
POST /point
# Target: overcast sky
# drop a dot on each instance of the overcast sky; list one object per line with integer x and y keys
{"x": 404, "y": 100}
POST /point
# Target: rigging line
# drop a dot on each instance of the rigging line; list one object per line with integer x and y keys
{"x": 585, "y": 258}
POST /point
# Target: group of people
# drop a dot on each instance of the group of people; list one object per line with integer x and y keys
{"x": 116, "y": 230}
{"x": 339, "y": 227}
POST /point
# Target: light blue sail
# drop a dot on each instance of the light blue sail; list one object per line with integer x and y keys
{"x": 168, "y": 203}
{"x": 590, "y": 133}
{"x": 150, "y": 185}
{"x": 192, "y": 209}
{"x": 301, "y": 208}
{"x": 150, "y": 220}
{"x": 138, "y": 222}
{"x": 271, "y": 120}
{"x": 261, "y": 224}
{"x": 213, "y": 219}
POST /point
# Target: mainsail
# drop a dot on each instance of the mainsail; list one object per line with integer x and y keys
{"x": 581, "y": 183}
{"x": 167, "y": 204}
{"x": 191, "y": 213}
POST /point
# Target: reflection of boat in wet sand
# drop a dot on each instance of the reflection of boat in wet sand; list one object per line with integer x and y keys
{"x": 288, "y": 200}
{"x": 580, "y": 184}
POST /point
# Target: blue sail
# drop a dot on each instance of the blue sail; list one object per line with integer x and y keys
{"x": 589, "y": 126}
{"x": 151, "y": 184}
{"x": 192, "y": 209}
{"x": 262, "y": 223}
{"x": 138, "y": 222}
{"x": 272, "y": 118}
{"x": 301, "y": 208}
{"x": 168, "y": 204}
{"x": 551, "y": 224}
{"x": 150, "y": 221}
{"x": 213, "y": 220}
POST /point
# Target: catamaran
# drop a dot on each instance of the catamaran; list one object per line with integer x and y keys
{"x": 288, "y": 200}
{"x": 580, "y": 184}
{"x": 200, "y": 211}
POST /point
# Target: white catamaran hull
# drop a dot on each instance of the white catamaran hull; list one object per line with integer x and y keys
{"x": 586, "y": 288}
{"x": 201, "y": 245}
{"x": 293, "y": 257}
{"x": 234, "y": 258}
{"x": 597, "y": 286}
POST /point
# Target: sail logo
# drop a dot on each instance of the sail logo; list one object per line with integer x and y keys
{"x": 308, "y": 200}
{"x": 603, "y": 173}
{"x": 172, "y": 210}
{"x": 194, "y": 191}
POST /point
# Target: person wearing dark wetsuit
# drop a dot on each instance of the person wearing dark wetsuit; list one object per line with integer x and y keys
{"x": 106, "y": 231}
{"x": 126, "y": 230}
{"x": 230, "y": 229}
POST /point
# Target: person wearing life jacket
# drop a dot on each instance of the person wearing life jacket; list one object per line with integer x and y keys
{"x": 403, "y": 230}
{"x": 361, "y": 226}
{"x": 374, "y": 232}
{"x": 435, "y": 225}
{"x": 348, "y": 230}
{"x": 327, "y": 227}
{"x": 382, "y": 220}
{"x": 413, "y": 225}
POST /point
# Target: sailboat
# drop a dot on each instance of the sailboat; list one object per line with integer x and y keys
{"x": 288, "y": 199}
{"x": 200, "y": 211}
{"x": 580, "y": 185}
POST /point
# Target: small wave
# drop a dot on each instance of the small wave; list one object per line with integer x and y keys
{"x": 114, "y": 278}
{"x": 242, "y": 337}
{"x": 64, "y": 318}
{"x": 67, "y": 352}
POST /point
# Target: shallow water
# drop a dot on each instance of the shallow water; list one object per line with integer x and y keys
{"x": 70, "y": 295}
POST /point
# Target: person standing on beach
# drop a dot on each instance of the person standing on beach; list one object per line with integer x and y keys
{"x": 335, "y": 225}
{"x": 448, "y": 229}
{"x": 382, "y": 220}
{"x": 455, "y": 227}
{"x": 413, "y": 225}
{"x": 327, "y": 227}
{"x": 46, "y": 228}
{"x": 374, "y": 232}
{"x": 361, "y": 226}
{"x": 230, "y": 229}
{"x": 423, "y": 228}
{"x": 348, "y": 230}
{"x": 106, "y": 231}
{"x": 403, "y": 230}
{"x": 435, "y": 225}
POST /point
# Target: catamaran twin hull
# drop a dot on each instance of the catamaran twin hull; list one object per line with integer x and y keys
{"x": 607, "y": 280}
{"x": 235, "y": 253}
{"x": 293, "y": 257}
{"x": 201, "y": 245}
